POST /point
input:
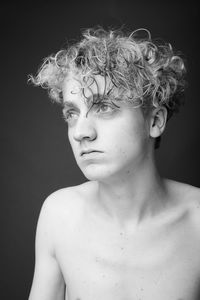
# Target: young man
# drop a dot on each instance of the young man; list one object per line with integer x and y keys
{"x": 126, "y": 233}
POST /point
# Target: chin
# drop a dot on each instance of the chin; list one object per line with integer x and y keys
{"x": 95, "y": 175}
{"x": 95, "y": 172}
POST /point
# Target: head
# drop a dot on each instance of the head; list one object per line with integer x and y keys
{"x": 129, "y": 71}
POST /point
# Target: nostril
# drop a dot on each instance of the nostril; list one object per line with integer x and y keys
{"x": 84, "y": 131}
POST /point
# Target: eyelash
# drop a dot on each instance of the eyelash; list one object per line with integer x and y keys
{"x": 68, "y": 113}
{"x": 104, "y": 104}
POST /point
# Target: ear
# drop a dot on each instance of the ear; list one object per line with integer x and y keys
{"x": 158, "y": 121}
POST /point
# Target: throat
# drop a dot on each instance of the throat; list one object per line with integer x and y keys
{"x": 127, "y": 204}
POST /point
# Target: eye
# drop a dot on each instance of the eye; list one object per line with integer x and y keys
{"x": 104, "y": 108}
{"x": 69, "y": 115}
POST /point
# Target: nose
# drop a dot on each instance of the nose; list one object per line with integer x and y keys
{"x": 85, "y": 129}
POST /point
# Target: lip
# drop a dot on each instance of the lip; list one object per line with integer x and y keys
{"x": 89, "y": 151}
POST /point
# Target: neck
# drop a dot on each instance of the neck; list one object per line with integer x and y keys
{"x": 134, "y": 196}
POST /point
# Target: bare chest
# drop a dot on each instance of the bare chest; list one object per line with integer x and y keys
{"x": 111, "y": 265}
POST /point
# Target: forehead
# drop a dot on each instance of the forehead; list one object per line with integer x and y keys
{"x": 87, "y": 87}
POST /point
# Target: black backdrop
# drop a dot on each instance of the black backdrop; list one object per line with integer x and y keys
{"x": 36, "y": 156}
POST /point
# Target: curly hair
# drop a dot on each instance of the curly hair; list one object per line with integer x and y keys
{"x": 146, "y": 72}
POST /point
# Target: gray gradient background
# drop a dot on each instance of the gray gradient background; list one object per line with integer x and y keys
{"x": 36, "y": 158}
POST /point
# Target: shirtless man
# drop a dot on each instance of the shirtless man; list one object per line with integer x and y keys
{"x": 126, "y": 233}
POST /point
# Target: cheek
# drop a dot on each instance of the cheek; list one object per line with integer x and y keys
{"x": 69, "y": 137}
{"x": 126, "y": 136}
{"x": 129, "y": 142}
{"x": 71, "y": 141}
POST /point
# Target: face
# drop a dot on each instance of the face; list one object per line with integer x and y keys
{"x": 109, "y": 139}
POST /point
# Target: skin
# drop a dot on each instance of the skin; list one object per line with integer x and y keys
{"x": 126, "y": 234}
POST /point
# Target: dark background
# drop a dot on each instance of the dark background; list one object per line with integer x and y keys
{"x": 36, "y": 156}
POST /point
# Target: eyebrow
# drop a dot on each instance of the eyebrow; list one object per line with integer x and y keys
{"x": 70, "y": 103}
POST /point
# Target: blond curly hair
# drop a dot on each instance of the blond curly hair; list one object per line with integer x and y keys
{"x": 148, "y": 73}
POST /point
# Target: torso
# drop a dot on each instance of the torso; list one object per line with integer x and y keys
{"x": 159, "y": 260}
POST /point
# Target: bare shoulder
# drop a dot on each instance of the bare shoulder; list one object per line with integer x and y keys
{"x": 68, "y": 202}
{"x": 188, "y": 197}
{"x": 186, "y": 192}
{"x": 69, "y": 195}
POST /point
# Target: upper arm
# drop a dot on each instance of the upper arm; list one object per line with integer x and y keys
{"x": 48, "y": 282}
{"x": 194, "y": 198}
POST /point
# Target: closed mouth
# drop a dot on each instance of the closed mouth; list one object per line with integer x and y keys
{"x": 90, "y": 151}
